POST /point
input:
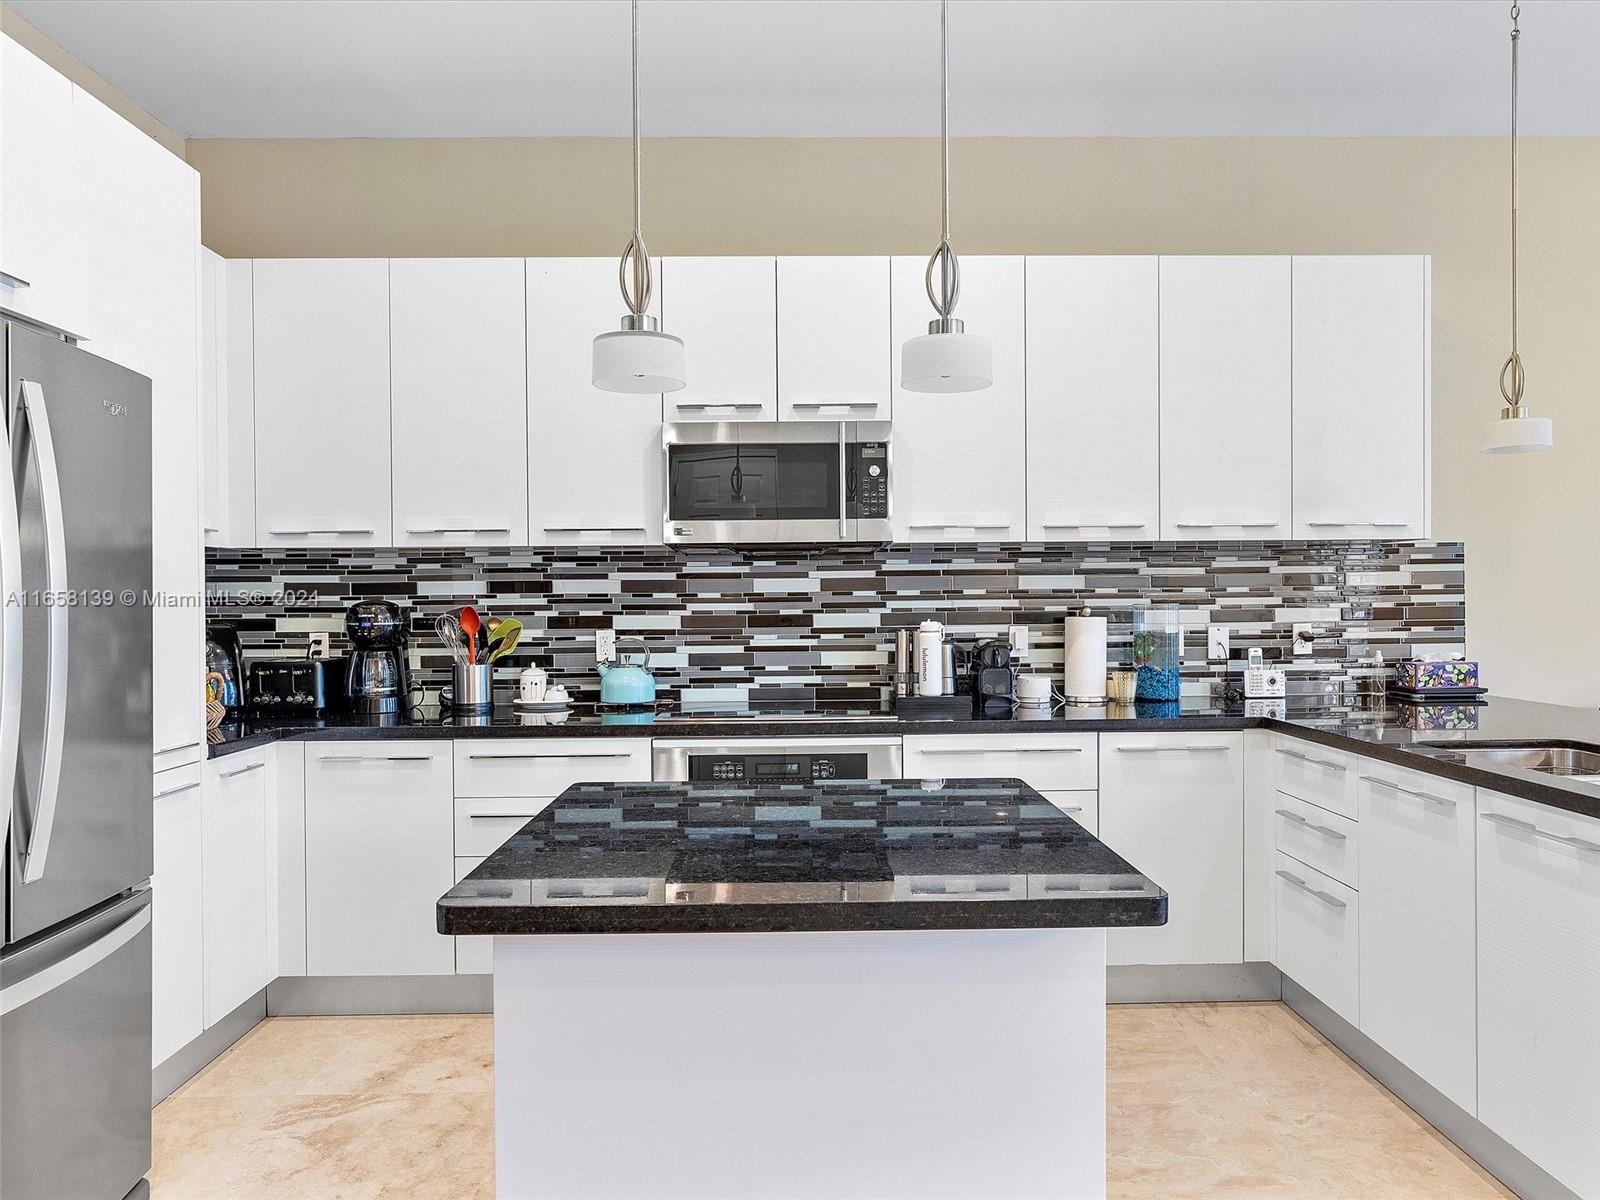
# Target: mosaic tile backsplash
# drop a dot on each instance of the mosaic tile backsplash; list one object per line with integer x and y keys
{"x": 817, "y": 624}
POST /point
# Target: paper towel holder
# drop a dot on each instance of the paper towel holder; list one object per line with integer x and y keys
{"x": 1084, "y": 637}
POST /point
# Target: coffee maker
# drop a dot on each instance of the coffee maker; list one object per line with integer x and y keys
{"x": 377, "y": 679}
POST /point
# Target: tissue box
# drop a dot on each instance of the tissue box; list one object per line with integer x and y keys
{"x": 1418, "y": 675}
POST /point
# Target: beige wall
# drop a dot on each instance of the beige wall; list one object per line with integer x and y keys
{"x": 26, "y": 36}
{"x": 1531, "y": 522}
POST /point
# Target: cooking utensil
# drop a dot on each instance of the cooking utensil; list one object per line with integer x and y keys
{"x": 449, "y": 631}
{"x": 503, "y": 638}
{"x": 470, "y": 624}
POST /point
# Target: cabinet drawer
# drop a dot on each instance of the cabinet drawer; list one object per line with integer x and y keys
{"x": 1415, "y": 788}
{"x": 1318, "y": 936}
{"x": 1315, "y": 774}
{"x": 546, "y": 766}
{"x": 1046, "y": 761}
{"x": 1082, "y": 807}
{"x": 483, "y": 824}
{"x": 1318, "y": 838}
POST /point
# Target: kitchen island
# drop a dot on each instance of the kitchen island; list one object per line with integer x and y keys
{"x": 830, "y": 989}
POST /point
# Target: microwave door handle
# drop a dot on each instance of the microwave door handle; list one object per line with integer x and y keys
{"x": 30, "y": 408}
{"x": 844, "y": 492}
{"x": 10, "y": 631}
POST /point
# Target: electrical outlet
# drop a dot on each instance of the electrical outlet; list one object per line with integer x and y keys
{"x": 1305, "y": 638}
{"x": 1017, "y": 635}
{"x": 1216, "y": 643}
{"x": 321, "y": 645}
{"x": 605, "y": 645}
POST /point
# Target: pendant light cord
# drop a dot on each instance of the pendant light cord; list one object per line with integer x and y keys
{"x": 943, "y": 259}
{"x": 1511, "y": 378}
{"x": 634, "y": 274}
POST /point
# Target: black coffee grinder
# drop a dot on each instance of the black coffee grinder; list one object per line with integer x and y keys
{"x": 377, "y": 679}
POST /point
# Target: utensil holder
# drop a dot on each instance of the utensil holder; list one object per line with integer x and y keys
{"x": 472, "y": 687}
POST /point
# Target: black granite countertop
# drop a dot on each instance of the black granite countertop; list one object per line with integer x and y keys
{"x": 822, "y": 856}
{"x": 1417, "y": 736}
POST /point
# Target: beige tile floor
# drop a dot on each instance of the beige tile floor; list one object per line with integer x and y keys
{"x": 1216, "y": 1101}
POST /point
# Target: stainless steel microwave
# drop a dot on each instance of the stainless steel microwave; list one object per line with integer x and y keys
{"x": 776, "y": 481}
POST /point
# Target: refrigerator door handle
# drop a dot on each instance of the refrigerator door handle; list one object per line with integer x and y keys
{"x": 64, "y": 970}
{"x": 10, "y": 633}
{"x": 30, "y": 408}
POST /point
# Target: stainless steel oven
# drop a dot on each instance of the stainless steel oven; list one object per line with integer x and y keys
{"x": 777, "y": 481}
{"x": 775, "y": 760}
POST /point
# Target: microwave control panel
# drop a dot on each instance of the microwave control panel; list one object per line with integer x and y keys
{"x": 868, "y": 480}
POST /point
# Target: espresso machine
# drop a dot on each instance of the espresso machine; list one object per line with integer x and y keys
{"x": 376, "y": 677}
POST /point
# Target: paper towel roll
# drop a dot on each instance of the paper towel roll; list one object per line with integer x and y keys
{"x": 1083, "y": 672}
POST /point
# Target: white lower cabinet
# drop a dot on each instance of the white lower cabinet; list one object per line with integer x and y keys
{"x": 237, "y": 956}
{"x": 1082, "y": 807}
{"x": 1173, "y": 806}
{"x": 1539, "y": 984}
{"x": 177, "y": 923}
{"x": 1319, "y": 935}
{"x": 474, "y": 955}
{"x": 378, "y": 857}
{"x": 1418, "y": 926}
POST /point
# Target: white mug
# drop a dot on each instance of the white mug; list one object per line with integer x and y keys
{"x": 531, "y": 684}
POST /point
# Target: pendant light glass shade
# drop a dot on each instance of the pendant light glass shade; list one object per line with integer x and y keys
{"x": 638, "y": 360}
{"x": 1512, "y": 434}
{"x": 947, "y": 362}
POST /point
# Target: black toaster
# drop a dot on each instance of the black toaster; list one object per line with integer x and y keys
{"x": 295, "y": 686}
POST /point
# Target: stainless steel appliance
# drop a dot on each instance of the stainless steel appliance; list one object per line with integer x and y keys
{"x": 75, "y": 739}
{"x": 377, "y": 679}
{"x": 777, "y": 481}
{"x": 753, "y": 760}
{"x": 295, "y": 687}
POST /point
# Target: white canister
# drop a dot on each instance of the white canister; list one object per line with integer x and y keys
{"x": 531, "y": 685}
{"x": 930, "y": 659}
{"x": 1033, "y": 690}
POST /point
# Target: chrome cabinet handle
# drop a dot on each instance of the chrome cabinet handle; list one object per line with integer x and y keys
{"x": 1529, "y": 827}
{"x": 1094, "y": 525}
{"x": 30, "y": 408}
{"x": 1322, "y": 829}
{"x": 245, "y": 770}
{"x": 501, "y": 816}
{"x": 825, "y": 405}
{"x": 459, "y": 529}
{"x": 595, "y": 529}
{"x": 1172, "y": 749}
{"x": 1325, "y": 897}
{"x": 1003, "y": 750}
{"x": 1228, "y": 524}
{"x": 10, "y": 633}
{"x": 544, "y": 757}
{"x": 1357, "y": 524}
{"x": 729, "y": 406}
{"x": 1442, "y": 801}
{"x": 175, "y": 749}
{"x": 1074, "y": 808}
{"x": 173, "y": 791}
{"x": 359, "y": 758}
{"x": 1306, "y": 758}
{"x": 973, "y": 525}
{"x": 13, "y": 281}
{"x": 304, "y": 532}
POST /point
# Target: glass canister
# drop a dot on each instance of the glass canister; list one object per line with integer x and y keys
{"x": 1157, "y": 652}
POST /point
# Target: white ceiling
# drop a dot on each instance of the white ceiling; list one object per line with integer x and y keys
{"x": 837, "y": 68}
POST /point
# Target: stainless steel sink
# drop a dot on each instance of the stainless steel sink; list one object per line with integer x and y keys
{"x": 1551, "y": 760}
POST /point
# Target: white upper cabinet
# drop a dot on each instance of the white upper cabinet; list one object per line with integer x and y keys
{"x": 959, "y": 456}
{"x": 457, "y": 363}
{"x": 833, "y": 339}
{"x": 322, "y": 402}
{"x": 140, "y": 207}
{"x": 1361, "y": 397}
{"x": 1225, "y": 381}
{"x": 213, "y": 392}
{"x": 594, "y": 457}
{"x": 1094, "y": 393}
{"x": 42, "y": 252}
{"x": 726, "y": 312}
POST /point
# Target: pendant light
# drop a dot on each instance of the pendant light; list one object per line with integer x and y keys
{"x": 639, "y": 357}
{"x": 1517, "y": 429}
{"x": 945, "y": 359}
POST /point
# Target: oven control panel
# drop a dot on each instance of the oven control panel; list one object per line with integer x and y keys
{"x": 776, "y": 768}
{"x": 868, "y": 482}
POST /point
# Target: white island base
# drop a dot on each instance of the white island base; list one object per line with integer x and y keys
{"x": 917, "y": 1065}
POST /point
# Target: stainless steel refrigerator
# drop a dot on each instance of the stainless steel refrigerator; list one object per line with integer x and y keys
{"x": 75, "y": 745}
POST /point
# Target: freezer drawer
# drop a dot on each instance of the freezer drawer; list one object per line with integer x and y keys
{"x": 75, "y": 1058}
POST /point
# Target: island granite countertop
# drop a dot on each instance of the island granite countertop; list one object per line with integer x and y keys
{"x": 817, "y": 856}
{"x": 1399, "y": 733}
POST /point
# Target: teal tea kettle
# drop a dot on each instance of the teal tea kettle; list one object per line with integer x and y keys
{"x": 627, "y": 683}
